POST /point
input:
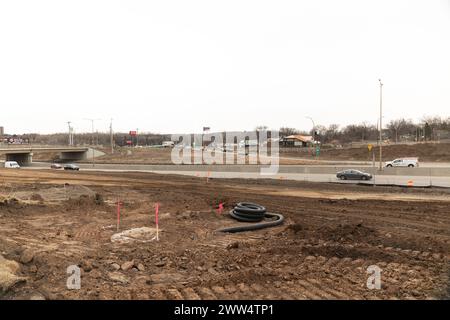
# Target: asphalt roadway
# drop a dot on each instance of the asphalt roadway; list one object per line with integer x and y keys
{"x": 437, "y": 176}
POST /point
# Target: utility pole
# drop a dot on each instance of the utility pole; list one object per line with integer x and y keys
{"x": 70, "y": 133}
{"x": 137, "y": 137}
{"x": 92, "y": 139}
{"x": 314, "y": 134}
{"x": 111, "y": 136}
{"x": 381, "y": 124}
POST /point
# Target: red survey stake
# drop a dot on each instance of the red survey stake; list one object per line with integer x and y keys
{"x": 220, "y": 209}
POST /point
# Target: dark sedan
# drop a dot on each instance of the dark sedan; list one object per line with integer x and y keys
{"x": 71, "y": 167}
{"x": 352, "y": 174}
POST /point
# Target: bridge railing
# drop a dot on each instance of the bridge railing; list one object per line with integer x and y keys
{"x": 28, "y": 146}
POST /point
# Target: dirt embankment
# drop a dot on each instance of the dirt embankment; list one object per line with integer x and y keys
{"x": 137, "y": 156}
{"x": 439, "y": 152}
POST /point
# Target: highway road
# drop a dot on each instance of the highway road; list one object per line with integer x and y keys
{"x": 412, "y": 177}
{"x": 417, "y": 181}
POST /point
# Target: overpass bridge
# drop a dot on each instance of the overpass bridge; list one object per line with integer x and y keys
{"x": 23, "y": 154}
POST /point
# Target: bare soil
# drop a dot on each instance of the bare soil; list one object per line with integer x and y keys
{"x": 51, "y": 220}
{"x": 433, "y": 152}
{"x": 161, "y": 156}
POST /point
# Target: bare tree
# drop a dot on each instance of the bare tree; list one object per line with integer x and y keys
{"x": 285, "y": 131}
{"x": 395, "y": 126}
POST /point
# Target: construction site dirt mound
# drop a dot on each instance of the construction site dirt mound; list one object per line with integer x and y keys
{"x": 48, "y": 194}
{"x": 342, "y": 232}
{"x": 84, "y": 201}
{"x": 10, "y": 202}
{"x": 347, "y": 232}
{"x": 9, "y": 275}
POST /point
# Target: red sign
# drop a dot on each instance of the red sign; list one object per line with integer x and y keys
{"x": 133, "y": 133}
{"x": 129, "y": 142}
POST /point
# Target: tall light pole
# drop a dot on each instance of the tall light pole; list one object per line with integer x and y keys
{"x": 137, "y": 137}
{"x": 111, "y": 136}
{"x": 381, "y": 124}
{"x": 70, "y": 133}
{"x": 92, "y": 139}
{"x": 314, "y": 128}
{"x": 314, "y": 132}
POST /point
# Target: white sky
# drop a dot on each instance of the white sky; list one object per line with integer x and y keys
{"x": 176, "y": 66}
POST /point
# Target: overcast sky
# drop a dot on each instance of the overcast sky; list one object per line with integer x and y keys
{"x": 176, "y": 66}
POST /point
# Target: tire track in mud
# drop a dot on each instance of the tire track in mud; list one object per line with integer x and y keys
{"x": 344, "y": 279}
{"x": 373, "y": 216}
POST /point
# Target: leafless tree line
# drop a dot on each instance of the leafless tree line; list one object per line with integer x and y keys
{"x": 398, "y": 130}
{"x": 100, "y": 139}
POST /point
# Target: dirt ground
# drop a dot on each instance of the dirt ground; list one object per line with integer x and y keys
{"x": 332, "y": 234}
{"x": 136, "y": 156}
{"x": 433, "y": 152}
{"x": 159, "y": 156}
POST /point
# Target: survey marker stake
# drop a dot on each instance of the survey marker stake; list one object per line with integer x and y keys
{"x": 156, "y": 220}
{"x": 220, "y": 209}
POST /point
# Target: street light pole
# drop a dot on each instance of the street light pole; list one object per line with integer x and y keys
{"x": 137, "y": 137}
{"x": 381, "y": 124}
{"x": 92, "y": 140}
{"x": 70, "y": 133}
{"x": 314, "y": 131}
{"x": 314, "y": 127}
{"x": 111, "y": 136}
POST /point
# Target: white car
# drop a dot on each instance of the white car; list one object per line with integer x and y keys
{"x": 248, "y": 143}
{"x": 404, "y": 162}
{"x": 12, "y": 165}
{"x": 168, "y": 144}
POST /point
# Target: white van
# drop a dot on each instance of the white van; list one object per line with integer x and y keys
{"x": 12, "y": 165}
{"x": 404, "y": 162}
